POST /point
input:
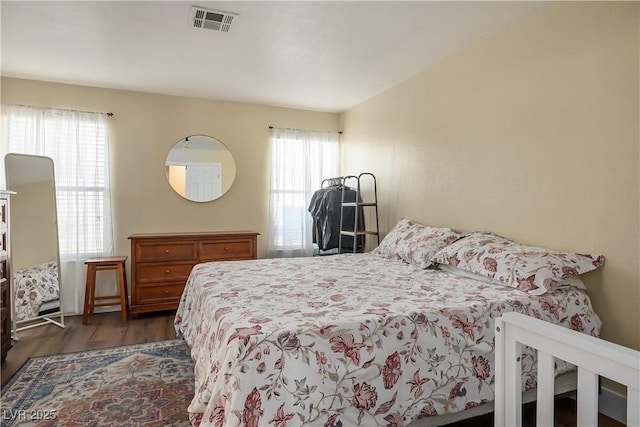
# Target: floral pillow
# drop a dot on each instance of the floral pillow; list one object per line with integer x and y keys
{"x": 528, "y": 268}
{"x": 571, "y": 282}
{"x": 414, "y": 243}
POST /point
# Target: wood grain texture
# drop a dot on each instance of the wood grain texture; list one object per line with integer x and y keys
{"x": 5, "y": 274}
{"x": 104, "y": 330}
{"x": 161, "y": 263}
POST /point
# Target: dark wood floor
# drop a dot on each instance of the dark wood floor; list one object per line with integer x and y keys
{"x": 107, "y": 330}
{"x": 102, "y": 331}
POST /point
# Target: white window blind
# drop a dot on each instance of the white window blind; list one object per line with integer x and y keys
{"x": 77, "y": 143}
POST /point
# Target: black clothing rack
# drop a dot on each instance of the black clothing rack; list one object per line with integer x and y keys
{"x": 338, "y": 214}
{"x": 358, "y": 231}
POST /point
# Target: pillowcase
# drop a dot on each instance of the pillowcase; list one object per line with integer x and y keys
{"x": 528, "y": 268}
{"x": 414, "y": 243}
{"x": 572, "y": 281}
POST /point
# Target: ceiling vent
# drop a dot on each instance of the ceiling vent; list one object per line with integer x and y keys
{"x": 216, "y": 20}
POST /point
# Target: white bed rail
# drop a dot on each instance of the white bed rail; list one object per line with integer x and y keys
{"x": 594, "y": 357}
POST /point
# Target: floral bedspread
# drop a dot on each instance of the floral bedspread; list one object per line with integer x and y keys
{"x": 33, "y": 287}
{"x": 349, "y": 340}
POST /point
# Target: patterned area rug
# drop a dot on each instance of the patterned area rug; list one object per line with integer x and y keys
{"x": 138, "y": 385}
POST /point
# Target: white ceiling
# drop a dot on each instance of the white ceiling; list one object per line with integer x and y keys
{"x": 327, "y": 56}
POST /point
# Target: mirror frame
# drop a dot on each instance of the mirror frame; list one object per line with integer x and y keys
{"x": 227, "y": 168}
{"x": 48, "y": 318}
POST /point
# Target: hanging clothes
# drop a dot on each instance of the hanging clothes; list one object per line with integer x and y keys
{"x": 325, "y": 208}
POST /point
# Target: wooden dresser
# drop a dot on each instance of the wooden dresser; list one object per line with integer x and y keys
{"x": 5, "y": 273}
{"x": 161, "y": 263}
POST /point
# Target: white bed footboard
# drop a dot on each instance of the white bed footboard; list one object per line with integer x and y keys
{"x": 594, "y": 357}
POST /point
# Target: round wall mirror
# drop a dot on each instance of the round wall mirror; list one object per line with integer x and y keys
{"x": 200, "y": 168}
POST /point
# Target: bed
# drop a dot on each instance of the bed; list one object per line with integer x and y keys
{"x": 36, "y": 290}
{"x": 357, "y": 339}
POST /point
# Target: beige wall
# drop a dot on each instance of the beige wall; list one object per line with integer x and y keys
{"x": 532, "y": 134}
{"x": 143, "y": 130}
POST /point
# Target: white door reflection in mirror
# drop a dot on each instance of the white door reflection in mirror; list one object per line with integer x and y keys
{"x": 200, "y": 168}
{"x": 203, "y": 182}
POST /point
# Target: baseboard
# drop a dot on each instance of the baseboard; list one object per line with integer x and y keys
{"x": 613, "y": 405}
{"x": 71, "y": 311}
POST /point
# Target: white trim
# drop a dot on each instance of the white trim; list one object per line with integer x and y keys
{"x": 593, "y": 357}
{"x": 613, "y": 404}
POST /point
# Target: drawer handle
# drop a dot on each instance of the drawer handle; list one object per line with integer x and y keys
{"x": 166, "y": 292}
{"x": 226, "y": 248}
{"x": 167, "y": 251}
{"x": 167, "y": 271}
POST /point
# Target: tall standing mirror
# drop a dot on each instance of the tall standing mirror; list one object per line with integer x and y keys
{"x": 200, "y": 168}
{"x": 35, "y": 258}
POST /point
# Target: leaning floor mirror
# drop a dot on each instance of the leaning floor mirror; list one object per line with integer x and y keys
{"x": 35, "y": 257}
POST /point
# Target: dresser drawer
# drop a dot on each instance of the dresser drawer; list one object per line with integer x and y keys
{"x": 166, "y": 251}
{"x": 162, "y": 262}
{"x": 225, "y": 250}
{"x": 156, "y": 294}
{"x": 149, "y": 273}
{"x": 3, "y": 213}
{"x": 5, "y": 325}
{"x": 5, "y": 319}
{"x": 5, "y": 301}
{"x": 3, "y": 243}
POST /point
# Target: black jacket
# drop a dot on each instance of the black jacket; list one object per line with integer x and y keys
{"x": 325, "y": 208}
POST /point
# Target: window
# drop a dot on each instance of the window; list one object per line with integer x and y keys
{"x": 77, "y": 143}
{"x": 300, "y": 160}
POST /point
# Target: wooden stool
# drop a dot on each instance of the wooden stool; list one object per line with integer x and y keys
{"x": 99, "y": 264}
